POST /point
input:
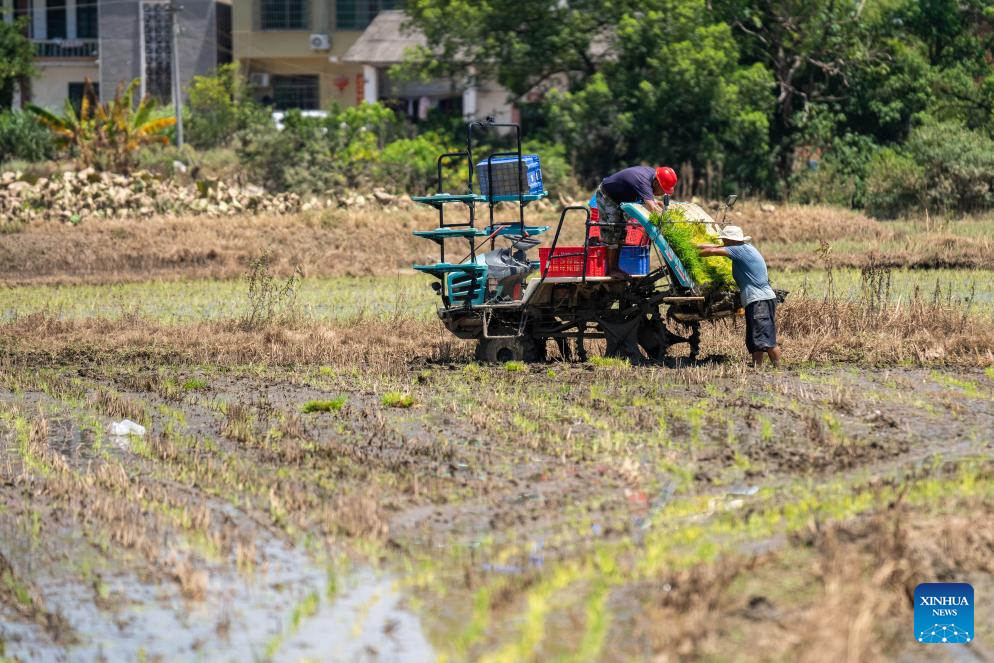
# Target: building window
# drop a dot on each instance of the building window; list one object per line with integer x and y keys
{"x": 22, "y": 10}
{"x": 86, "y": 19}
{"x": 55, "y": 19}
{"x": 157, "y": 28}
{"x": 284, "y": 15}
{"x": 296, "y": 92}
{"x": 76, "y": 92}
{"x": 358, "y": 14}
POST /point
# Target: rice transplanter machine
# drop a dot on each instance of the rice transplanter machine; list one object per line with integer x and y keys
{"x": 513, "y": 305}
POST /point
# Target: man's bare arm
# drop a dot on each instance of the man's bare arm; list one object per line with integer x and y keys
{"x": 652, "y": 205}
{"x": 708, "y": 250}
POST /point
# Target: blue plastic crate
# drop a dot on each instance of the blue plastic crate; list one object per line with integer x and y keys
{"x": 505, "y": 175}
{"x": 634, "y": 260}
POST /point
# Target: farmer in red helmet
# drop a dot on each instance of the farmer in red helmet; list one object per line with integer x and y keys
{"x": 638, "y": 184}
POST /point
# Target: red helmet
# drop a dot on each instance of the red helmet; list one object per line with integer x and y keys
{"x": 666, "y": 177}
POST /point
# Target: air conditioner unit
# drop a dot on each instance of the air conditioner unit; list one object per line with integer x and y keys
{"x": 320, "y": 42}
{"x": 259, "y": 79}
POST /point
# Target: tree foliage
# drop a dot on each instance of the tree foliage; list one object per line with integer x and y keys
{"x": 218, "y": 106}
{"x": 107, "y": 135}
{"x": 23, "y": 137}
{"x": 16, "y": 59}
{"x": 520, "y": 44}
{"x": 761, "y": 87}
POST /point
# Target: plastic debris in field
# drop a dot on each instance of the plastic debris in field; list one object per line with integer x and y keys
{"x": 126, "y": 427}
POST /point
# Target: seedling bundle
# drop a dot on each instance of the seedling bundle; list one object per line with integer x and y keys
{"x": 684, "y": 236}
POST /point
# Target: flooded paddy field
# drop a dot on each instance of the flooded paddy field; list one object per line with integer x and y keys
{"x": 407, "y": 295}
{"x": 400, "y": 502}
{"x": 338, "y": 480}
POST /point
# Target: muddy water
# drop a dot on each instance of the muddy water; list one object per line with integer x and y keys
{"x": 237, "y": 620}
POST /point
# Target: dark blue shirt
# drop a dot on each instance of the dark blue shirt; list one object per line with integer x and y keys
{"x": 630, "y": 185}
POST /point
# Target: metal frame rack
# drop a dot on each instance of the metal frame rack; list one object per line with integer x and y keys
{"x": 467, "y": 272}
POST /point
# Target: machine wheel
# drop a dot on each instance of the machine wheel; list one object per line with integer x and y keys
{"x": 500, "y": 350}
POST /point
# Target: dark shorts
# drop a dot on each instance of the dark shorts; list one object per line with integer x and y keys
{"x": 761, "y": 325}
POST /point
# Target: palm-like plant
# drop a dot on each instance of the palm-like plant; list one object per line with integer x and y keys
{"x": 107, "y": 135}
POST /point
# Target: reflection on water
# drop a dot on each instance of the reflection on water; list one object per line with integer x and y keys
{"x": 240, "y": 619}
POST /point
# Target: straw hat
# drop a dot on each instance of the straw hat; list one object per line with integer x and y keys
{"x": 733, "y": 234}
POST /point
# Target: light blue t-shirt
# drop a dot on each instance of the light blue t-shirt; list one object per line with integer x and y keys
{"x": 749, "y": 270}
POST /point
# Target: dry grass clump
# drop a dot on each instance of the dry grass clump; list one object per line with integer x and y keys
{"x": 945, "y": 250}
{"x": 690, "y": 603}
{"x": 373, "y": 345}
{"x": 339, "y": 242}
{"x": 26, "y": 600}
{"x": 868, "y": 571}
{"x": 920, "y": 332}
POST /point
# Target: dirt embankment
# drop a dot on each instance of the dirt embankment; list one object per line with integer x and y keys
{"x": 378, "y": 241}
{"x": 113, "y": 251}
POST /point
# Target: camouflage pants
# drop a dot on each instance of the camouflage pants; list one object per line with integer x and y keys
{"x": 609, "y": 213}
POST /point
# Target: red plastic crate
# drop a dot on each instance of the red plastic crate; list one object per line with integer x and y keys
{"x": 634, "y": 235}
{"x": 573, "y": 265}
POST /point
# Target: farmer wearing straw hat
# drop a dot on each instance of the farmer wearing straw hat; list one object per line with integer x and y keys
{"x": 758, "y": 298}
{"x": 638, "y": 184}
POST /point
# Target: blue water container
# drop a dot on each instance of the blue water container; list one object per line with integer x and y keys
{"x": 505, "y": 175}
{"x": 634, "y": 260}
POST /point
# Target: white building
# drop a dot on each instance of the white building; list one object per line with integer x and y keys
{"x": 383, "y": 44}
{"x": 115, "y": 41}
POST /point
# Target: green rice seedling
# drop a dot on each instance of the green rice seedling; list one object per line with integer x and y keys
{"x": 195, "y": 384}
{"x": 397, "y": 399}
{"x": 968, "y": 387}
{"x": 765, "y": 429}
{"x": 330, "y": 405}
{"x": 684, "y": 237}
{"x": 597, "y": 622}
{"x": 609, "y": 362}
{"x": 514, "y": 366}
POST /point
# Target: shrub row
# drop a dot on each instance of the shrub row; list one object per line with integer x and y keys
{"x": 943, "y": 168}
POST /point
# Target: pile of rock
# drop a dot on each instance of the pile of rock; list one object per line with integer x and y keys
{"x": 73, "y": 196}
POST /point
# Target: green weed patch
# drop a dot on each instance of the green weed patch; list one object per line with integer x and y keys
{"x": 330, "y": 405}
{"x": 397, "y": 399}
{"x": 195, "y": 384}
